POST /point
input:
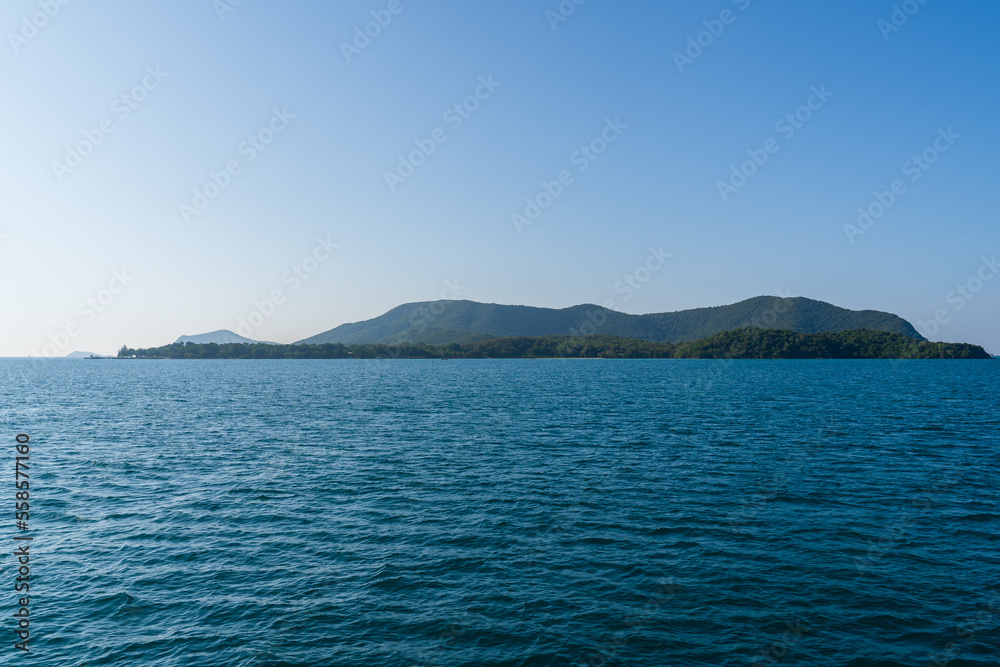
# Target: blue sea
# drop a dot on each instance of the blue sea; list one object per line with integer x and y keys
{"x": 505, "y": 512}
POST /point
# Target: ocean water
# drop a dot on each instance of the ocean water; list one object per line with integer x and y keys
{"x": 514, "y": 512}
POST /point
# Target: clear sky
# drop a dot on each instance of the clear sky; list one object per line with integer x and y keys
{"x": 117, "y": 114}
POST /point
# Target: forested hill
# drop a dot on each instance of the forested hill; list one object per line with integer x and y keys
{"x": 446, "y": 322}
{"x": 740, "y": 344}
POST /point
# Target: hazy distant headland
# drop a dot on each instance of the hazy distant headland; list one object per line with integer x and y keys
{"x": 220, "y": 337}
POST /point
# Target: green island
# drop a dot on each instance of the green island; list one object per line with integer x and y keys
{"x": 746, "y": 343}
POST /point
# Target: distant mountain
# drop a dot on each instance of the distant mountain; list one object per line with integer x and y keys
{"x": 81, "y": 355}
{"x": 220, "y": 337}
{"x": 446, "y": 322}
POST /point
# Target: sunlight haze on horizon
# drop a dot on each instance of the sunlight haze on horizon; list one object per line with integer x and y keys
{"x": 171, "y": 168}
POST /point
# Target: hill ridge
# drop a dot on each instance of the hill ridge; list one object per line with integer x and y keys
{"x": 444, "y": 322}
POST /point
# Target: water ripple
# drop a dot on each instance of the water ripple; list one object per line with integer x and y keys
{"x": 385, "y": 513}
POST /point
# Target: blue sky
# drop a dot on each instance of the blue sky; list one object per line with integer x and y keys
{"x": 308, "y": 233}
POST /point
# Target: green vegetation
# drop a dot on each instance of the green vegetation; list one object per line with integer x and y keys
{"x": 445, "y": 322}
{"x": 749, "y": 343}
{"x": 857, "y": 344}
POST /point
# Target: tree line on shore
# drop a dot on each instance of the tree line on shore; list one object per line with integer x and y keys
{"x": 748, "y": 343}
